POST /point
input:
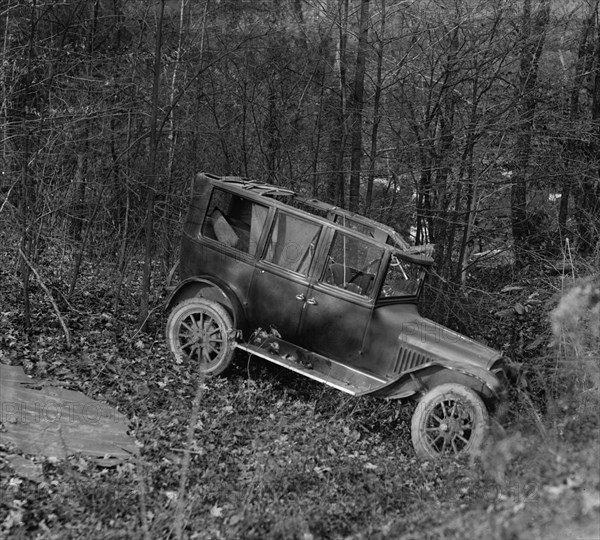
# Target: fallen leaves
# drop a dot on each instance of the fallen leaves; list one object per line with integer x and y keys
{"x": 25, "y": 468}
{"x": 274, "y": 455}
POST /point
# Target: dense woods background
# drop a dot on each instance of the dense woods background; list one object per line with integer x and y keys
{"x": 470, "y": 124}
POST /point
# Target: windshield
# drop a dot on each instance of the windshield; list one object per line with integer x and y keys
{"x": 403, "y": 278}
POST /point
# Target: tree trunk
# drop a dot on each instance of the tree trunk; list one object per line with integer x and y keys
{"x": 442, "y": 232}
{"x": 82, "y": 145}
{"x": 5, "y": 95}
{"x": 319, "y": 131}
{"x": 358, "y": 97}
{"x": 152, "y": 173}
{"x": 533, "y": 34}
{"x": 168, "y": 246}
{"x": 376, "y": 113}
{"x": 588, "y": 192}
{"x": 573, "y": 144}
{"x": 337, "y": 110}
{"x": 27, "y": 198}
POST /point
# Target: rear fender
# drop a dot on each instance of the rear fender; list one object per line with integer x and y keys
{"x": 211, "y": 289}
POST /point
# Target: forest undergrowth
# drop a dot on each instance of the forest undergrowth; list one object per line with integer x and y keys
{"x": 274, "y": 456}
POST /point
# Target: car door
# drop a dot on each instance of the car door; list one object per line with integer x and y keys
{"x": 281, "y": 276}
{"x": 341, "y": 300}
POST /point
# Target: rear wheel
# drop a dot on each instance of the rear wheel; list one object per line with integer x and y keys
{"x": 200, "y": 331}
{"x": 450, "y": 420}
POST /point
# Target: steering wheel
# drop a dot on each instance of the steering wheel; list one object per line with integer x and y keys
{"x": 367, "y": 269}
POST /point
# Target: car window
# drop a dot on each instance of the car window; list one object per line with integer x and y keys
{"x": 403, "y": 278}
{"x": 352, "y": 264}
{"x": 292, "y": 242}
{"x": 234, "y": 221}
{"x": 354, "y": 224}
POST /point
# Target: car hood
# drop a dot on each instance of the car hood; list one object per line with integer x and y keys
{"x": 444, "y": 345}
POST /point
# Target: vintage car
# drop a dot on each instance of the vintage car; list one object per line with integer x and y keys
{"x": 330, "y": 295}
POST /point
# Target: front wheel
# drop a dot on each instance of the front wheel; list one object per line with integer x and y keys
{"x": 450, "y": 420}
{"x": 199, "y": 331}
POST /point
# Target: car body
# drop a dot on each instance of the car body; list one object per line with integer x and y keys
{"x": 328, "y": 294}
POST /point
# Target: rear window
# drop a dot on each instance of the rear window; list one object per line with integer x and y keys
{"x": 234, "y": 221}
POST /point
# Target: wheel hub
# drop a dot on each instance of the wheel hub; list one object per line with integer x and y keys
{"x": 201, "y": 337}
{"x": 451, "y": 426}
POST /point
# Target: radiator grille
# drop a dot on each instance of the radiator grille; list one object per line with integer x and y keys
{"x": 408, "y": 359}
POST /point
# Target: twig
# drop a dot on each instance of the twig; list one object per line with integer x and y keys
{"x": 142, "y": 493}
{"x": 188, "y": 450}
{"x": 536, "y": 416}
{"x": 172, "y": 274}
{"x": 7, "y": 196}
{"x": 52, "y": 301}
{"x": 185, "y": 466}
{"x": 140, "y": 328}
{"x": 570, "y": 258}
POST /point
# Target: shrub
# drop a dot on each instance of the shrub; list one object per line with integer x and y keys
{"x": 576, "y": 329}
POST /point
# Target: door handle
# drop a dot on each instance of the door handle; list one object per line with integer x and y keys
{"x": 300, "y": 297}
{"x": 312, "y": 302}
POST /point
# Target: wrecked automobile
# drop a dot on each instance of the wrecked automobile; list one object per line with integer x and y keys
{"x": 330, "y": 295}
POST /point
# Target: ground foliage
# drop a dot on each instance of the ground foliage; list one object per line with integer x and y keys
{"x": 276, "y": 456}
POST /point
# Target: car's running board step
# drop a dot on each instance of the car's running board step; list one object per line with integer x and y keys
{"x": 316, "y": 367}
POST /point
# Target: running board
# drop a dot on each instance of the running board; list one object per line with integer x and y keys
{"x": 314, "y": 366}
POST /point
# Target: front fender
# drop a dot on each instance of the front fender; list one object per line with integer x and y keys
{"x": 424, "y": 378}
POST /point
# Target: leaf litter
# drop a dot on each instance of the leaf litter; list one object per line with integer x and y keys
{"x": 273, "y": 455}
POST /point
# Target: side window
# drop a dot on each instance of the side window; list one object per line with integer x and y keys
{"x": 352, "y": 264}
{"x": 292, "y": 243}
{"x": 234, "y": 221}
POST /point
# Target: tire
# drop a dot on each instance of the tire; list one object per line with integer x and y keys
{"x": 450, "y": 421}
{"x": 200, "y": 331}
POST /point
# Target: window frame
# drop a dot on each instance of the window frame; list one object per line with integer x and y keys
{"x": 316, "y": 241}
{"x": 322, "y": 278}
{"x": 254, "y": 243}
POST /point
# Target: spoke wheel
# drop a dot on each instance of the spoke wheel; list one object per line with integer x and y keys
{"x": 199, "y": 331}
{"x": 450, "y": 421}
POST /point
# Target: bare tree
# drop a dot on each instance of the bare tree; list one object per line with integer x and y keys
{"x": 587, "y": 194}
{"x": 534, "y": 24}
{"x": 337, "y": 110}
{"x": 376, "y": 120}
{"x": 27, "y": 194}
{"x": 573, "y": 147}
{"x": 358, "y": 96}
{"x": 152, "y": 168}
